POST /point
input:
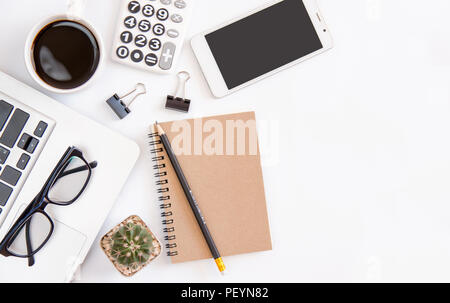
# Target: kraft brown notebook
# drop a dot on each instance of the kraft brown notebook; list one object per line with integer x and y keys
{"x": 221, "y": 161}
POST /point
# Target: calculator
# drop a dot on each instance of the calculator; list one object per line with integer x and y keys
{"x": 150, "y": 33}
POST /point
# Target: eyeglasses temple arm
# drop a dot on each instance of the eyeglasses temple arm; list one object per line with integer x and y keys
{"x": 29, "y": 247}
{"x": 78, "y": 169}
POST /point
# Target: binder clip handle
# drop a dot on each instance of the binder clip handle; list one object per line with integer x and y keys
{"x": 143, "y": 92}
{"x": 120, "y": 108}
{"x": 183, "y": 77}
{"x": 178, "y": 101}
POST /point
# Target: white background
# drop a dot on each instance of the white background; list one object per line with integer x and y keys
{"x": 360, "y": 191}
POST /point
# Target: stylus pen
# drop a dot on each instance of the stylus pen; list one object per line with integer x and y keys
{"x": 190, "y": 197}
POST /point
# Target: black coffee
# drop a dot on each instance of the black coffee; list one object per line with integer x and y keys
{"x": 65, "y": 54}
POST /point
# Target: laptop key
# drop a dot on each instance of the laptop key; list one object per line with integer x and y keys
{"x": 14, "y": 128}
{"x": 23, "y": 161}
{"x": 32, "y": 145}
{"x": 10, "y": 175}
{"x": 40, "y": 129}
{"x": 4, "y": 153}
{"x": 5, "y": 111}
{"x": 23, "y": 142}
{"x": 5, "y": 193}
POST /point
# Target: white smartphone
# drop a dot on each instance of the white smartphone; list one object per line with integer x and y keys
{"x": 270, "y": 39}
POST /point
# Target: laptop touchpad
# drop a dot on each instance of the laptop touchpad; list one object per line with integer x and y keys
{"x": 58, "y": 258}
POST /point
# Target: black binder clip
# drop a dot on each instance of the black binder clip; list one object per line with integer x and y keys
{"x": 119, "y": 107}
{"x": 178, "y": 101}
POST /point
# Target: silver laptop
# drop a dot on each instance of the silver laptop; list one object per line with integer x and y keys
{"x": 35, "y": 132}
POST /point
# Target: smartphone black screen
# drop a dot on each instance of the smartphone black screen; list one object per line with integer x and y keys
{"x": 264, "y": 41}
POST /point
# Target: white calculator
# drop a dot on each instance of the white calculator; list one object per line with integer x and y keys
{"x": 150, "y": 33}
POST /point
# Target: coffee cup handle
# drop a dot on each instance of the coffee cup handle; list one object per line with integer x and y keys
{"x": 75, "y": 9}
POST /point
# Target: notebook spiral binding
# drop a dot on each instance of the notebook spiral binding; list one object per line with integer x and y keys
{"x": 164, "y": 198}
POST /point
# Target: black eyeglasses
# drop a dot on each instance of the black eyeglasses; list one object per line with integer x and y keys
{"x": 34, "y": 227}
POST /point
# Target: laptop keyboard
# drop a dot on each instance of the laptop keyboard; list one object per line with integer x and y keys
{"x": 23, "y": 134}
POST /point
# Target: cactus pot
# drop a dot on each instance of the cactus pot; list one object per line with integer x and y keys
{"x": 130, "y": 246}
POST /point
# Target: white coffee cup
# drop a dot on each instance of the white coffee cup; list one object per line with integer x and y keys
{"x": 74, "y": 12}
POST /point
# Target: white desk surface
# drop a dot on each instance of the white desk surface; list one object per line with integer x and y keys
{"x": 361, "y": 188}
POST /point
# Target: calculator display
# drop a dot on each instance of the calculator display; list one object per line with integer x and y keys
{"x": 264, "y": 41}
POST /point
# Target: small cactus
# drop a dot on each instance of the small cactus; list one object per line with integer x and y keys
{"x": 130, "y": 246}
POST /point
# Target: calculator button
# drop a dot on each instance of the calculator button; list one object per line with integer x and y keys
{"x": 162, "y": 14}
{"x": 144, "y": 26}
{"x": 176, "y": 18}
{"x": 130, "y": 22}
{"x": 180, "y": 4}
{"x": 159, "y": 29}
{"x": 140, "y": 41}
{"x": 126, "y": 37}
{"x": 173, "y": 33}
{"x": 151, "y": 59}
{"x": 148, "y": 10}
{"x": 137, "y": 56}
{"x": 166, "y": 2}
{"x": 134, "y": 7}
{"x": 122, "y": 52}
{"x": 155, "y": 44}
{"x": 167, "y": 56}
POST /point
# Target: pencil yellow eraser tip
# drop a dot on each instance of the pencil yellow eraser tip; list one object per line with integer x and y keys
{"x": 220, "y": 264}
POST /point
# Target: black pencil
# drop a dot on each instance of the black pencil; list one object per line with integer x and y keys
{"x": 190, "y": 197}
